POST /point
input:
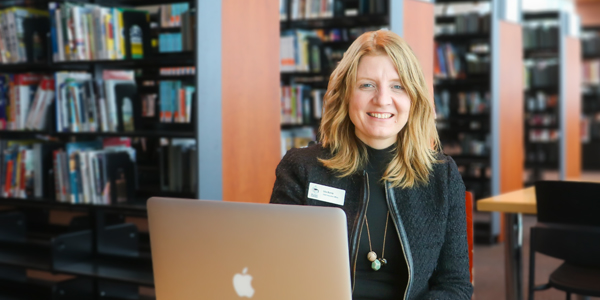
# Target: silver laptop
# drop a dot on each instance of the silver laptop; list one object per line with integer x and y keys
{"x": 224, "y": 250}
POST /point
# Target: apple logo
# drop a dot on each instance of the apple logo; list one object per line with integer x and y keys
{"x": 242, "y": 283}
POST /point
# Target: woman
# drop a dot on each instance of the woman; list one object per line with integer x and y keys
{"x": 404, "y": 200}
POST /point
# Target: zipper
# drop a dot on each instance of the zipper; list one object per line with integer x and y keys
{"x": 366, "y": 179}
{"x": 401, "y": 243}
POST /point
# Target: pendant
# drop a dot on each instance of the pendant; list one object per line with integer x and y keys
{"x": 372, "y": 256}
{"x": 383, "y": 261}
{"x": 376, "y": 265}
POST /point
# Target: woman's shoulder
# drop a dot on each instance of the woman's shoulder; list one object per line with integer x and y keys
{"x": 444, "y": 166}
{"x": 306, "y": 155}
{"x": 306, "y": 158}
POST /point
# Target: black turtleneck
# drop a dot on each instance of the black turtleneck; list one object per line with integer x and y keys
{"x": 390, "y": 281}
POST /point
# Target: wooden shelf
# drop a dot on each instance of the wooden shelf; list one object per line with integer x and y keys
{"x": 148, "y": 134}
{"x": 543, "y": 15}
{"x": 476, "y": 179}
{"x": 445, "y": 19}
{"x": 541, "y": 53}
{"x": 336, "y": 22}
{"x": 475, "y": 158}
{"x": 135, "y": 270}
{"x": 185, "y": 58}
{"x": 527, "y": 126}
{"x": 135, "y": 207}
{"x": 458, "y": 130}
{"x": 591, "y": 56}
{"x": 541, "y": 166}
{"x": 455, "y": 1}
{"x": 547, "y": 89}
{"x": 462, "y": 83}
{"x": 462, "y": 37}
{"x": 337, "y": 44}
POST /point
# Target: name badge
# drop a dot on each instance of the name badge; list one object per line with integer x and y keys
{"x": 326, "y": 194}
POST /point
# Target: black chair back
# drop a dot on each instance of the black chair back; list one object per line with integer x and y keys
{"x": 568, "y": 202}
{"x": 569, "y": 221}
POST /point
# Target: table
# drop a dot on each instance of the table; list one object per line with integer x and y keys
{"x": 514, "y": 205}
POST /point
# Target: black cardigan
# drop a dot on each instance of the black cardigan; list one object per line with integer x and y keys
{"x": 430, "y": 219}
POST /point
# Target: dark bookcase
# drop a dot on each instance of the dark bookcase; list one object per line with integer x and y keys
{"x": 102, "y": 250}
{"x": 541, "y": 43}
{"x": 590, "y": 46}
{"x": 462, "y": 85}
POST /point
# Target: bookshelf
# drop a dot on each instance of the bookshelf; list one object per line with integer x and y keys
{"x": 475, "y": 102}
{"x": 541, "y": 52}
{"x": 552, "y": 138}
{"x": 93, "y": 251}
{"x": 591, "y": 97}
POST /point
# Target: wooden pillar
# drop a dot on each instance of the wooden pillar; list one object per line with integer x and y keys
{"x": 250, "y": 98}
{"x": 419, "y": 22}
{"x": 511, "y": 148}
{"x": 573, "y": 108}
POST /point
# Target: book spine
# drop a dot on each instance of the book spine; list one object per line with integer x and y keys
{"x": 57, "y": 176}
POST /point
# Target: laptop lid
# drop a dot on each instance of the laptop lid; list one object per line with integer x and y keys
{"x": 224, "y": 250}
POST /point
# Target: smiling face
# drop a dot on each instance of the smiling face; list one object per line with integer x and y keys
{"x": 379, "y": 105}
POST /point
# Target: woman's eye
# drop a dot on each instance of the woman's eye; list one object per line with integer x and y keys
{"x": 397, "y": 86}
{"x": 366, "y": 85}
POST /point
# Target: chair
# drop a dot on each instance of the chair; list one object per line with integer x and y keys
{"x": 568, "y": 228}
{"x": 469, "y": 208}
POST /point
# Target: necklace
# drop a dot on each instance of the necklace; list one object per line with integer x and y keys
{"x": 377, "y": 263}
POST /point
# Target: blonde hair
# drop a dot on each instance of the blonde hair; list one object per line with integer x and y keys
{"x": 418, "y": 142}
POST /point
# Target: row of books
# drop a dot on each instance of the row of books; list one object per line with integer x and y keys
{"x": 541, "y": 102}
{"x": 590, "y": 43}
{"x": 170, "y": 42}
{"x": 541, "y": 73}
{"x": 25, "y": 100}
{"x": 171, "y": 14}
{"x": 306, "y": 9}
{"x": 178, "y": 166}
{"x": 590, "y": 127}
{"x": 475, "y": 170}
{"x": 23, "y": 35}
{"x": 469, "y": 23}
{"x": 296, "y": 138}
{"x": 342, "y": 34}
{"x": 543, "y": 135}
{"x": 477, "y": 64}
{"x": 472, "y": 103}
{"x": 303, "y": 50}
{"x": 591, "y": 72}
{"x": 26, "y": 169}
{"x": 543, "y": 153}
{"x": 300, "y": 104}
{"x": 447, "y": 63}
{"x": 175, "y": 101}
{"x": 177, "y": 71}
{"x": 540, "y": 36}
{"x": 544, "y": 119}
{"x": 467, "y": 144}
{"x": 97, "y": 172}
{"x": 323, "y": 9}
{"x": 87, "y": 105}
{"x": 92, "y": 32}
{"x": 300, "y": 51}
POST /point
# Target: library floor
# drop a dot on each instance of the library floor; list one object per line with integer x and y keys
{"x": 489, "y": 265}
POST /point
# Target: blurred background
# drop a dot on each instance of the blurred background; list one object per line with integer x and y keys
{"x": 105, "y": 103}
